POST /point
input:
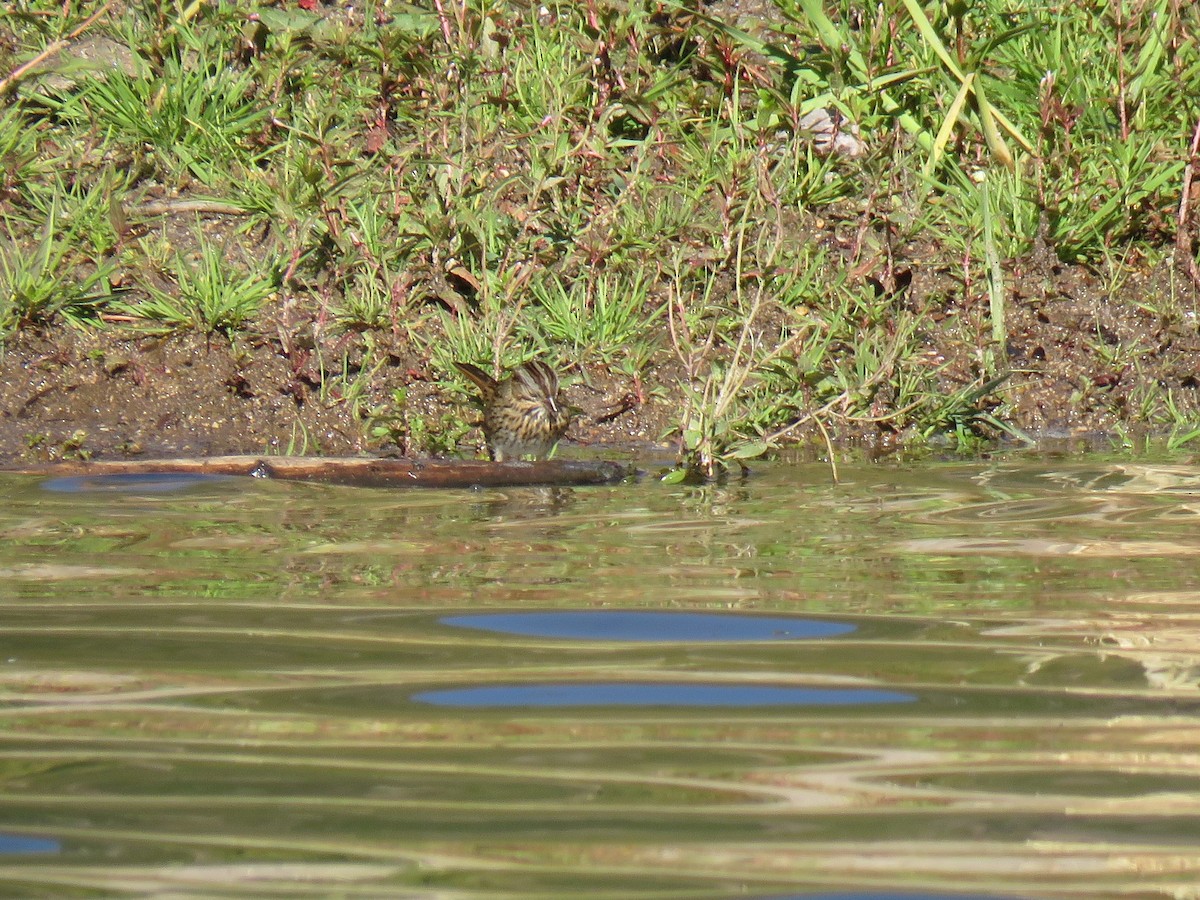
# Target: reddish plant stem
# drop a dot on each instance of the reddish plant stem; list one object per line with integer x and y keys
{"x": 1184, "y": 250}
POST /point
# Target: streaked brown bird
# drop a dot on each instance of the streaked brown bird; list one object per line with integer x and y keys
{"x": 524, "y": 414}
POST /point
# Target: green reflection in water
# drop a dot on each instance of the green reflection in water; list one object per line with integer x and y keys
{"x": 212, "y": 686}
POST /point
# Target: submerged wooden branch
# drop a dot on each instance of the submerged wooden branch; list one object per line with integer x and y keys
{"x": 432, "y": 473}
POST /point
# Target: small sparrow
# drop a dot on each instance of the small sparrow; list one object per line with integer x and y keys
{"x": 524, "y": 414}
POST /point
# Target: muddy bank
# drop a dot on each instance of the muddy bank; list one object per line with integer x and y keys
{"x": 1080, "y": 362}
{"x": 66, "y": 394}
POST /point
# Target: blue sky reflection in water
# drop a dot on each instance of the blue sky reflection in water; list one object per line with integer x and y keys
{"x": 15, "y": 844}
{"x": 130, "y": 483}
{"x": 637, "y": 625}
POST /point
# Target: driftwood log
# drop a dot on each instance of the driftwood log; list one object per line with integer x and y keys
{"x": 432, "y": 473}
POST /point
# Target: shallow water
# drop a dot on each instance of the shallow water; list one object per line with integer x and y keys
{"x": 939, "y": 681}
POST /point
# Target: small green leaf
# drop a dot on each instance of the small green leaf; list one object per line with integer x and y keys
{"x": 749, "y": 450}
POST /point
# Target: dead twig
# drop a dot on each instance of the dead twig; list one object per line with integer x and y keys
{"x": 169, "y": 207}
{"x": 8, "y": 83}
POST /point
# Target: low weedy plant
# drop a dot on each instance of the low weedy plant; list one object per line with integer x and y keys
{"x": 394, "y": 423}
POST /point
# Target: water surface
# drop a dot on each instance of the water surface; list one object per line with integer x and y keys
{"x": 938, "y": 681}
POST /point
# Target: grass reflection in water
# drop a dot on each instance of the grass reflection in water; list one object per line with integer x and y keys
{"x": 241, "y": 687}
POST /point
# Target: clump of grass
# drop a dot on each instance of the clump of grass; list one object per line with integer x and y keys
{"x": 187, "y": 111}
{"x": 599, "y": 318}
{"x": 45, "y": 281}
{"x": 22, "y": 162}
{"x": 209, "y": 296}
